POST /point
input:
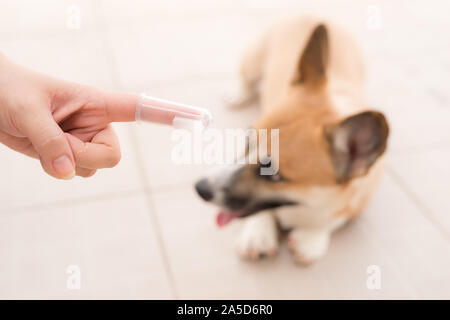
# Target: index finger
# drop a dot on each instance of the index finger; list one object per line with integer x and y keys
{"x": 121, "y": 107}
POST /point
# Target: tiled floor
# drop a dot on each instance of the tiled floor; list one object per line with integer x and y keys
{"x": 138, "y": 230}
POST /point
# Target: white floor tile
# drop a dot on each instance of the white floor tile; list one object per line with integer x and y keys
{"x": 112, "y": 241}
{"x": 426, "y": 175}
{"x": 205, "y": 265}
{"x": 121, "y": 12}
{"x": 27, "y": 18}
{"x": 420, "y": 252}
{"x": 23, "y": 183}
{"x": 74, "y": 56}
{"x": 414, "y": 109}
{"x": 154, "y": 52}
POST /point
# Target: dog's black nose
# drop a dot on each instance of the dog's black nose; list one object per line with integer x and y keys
{"x": 204, "y": 189}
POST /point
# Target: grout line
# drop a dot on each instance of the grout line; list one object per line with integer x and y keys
{"x": 427, "y": 213}
{"x": 218, "y": 77}
{"x": 153, "y": 215}
{"x": 411, "y": 290}
{"x": 173, "y": 187}
{"x": 140, "y": 164}
{"x": 443, "y": 144}
{"x": 106, "y": 45}
{"x": 30, "y": 34}
{"x": 73, "y": 202}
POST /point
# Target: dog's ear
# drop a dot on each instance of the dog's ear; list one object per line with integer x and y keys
{"x": 355, "y": 143}
{"x": 314, "y": 59}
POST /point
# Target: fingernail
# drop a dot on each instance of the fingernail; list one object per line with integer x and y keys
{"x": 63, "y": 167}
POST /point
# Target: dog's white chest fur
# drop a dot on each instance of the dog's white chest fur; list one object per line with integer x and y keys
{"x": 313, "y": 214}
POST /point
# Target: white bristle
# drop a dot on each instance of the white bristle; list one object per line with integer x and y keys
{"x": 188, "y": 124}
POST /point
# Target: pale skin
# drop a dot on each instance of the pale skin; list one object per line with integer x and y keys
{"x": 63, "y": 124}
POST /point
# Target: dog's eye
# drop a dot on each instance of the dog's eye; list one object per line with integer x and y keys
{"x": 277, "y": 177}
{"x": 274, "y": 177}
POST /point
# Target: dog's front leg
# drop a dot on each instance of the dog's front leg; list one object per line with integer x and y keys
{"x": 308, "y": 245}
{"x": 259, "y": 237}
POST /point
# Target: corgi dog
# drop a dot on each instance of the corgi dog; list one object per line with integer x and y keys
{"x": 308, "y": 78}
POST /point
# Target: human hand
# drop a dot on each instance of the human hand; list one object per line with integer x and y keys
{"x": 65, "y": 125}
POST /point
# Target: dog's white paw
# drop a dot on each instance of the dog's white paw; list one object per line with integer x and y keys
{"x": 259, "y": 238}
{"x": 308, "y": 246}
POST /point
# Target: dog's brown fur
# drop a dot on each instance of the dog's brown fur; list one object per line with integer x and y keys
{"x": 308, "y": 77}
{"x": 299, "y": 65}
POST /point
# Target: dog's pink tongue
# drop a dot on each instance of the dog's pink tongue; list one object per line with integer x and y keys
{"x": 225, "y": 217}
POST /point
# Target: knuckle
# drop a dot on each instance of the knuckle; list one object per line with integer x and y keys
{"x": 17, "y": 120}
{"x": 113, "y": 158}
{"x": 13, "y": 125}
{"x": 52, "y": 140}
{"x": 80, "y": 150}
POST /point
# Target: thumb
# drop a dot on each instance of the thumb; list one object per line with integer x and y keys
{"x": 50, "y": 143}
